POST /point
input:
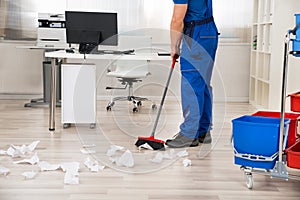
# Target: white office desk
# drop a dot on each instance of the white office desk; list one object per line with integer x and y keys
{"x": 61, "y": 56}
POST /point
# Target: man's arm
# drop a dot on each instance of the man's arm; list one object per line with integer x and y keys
{"x": 176, "y": 27}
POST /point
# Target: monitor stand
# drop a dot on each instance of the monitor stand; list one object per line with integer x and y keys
{"x": 86, "y": 48}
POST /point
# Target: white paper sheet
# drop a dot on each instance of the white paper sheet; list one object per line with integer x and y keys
{"x": 158, "y": 158}
{"x": 29, "y": 175}
{"x": 45, "y": 166}
{"x": 182, "y": 153}
{"x": 113, "y": 149}
{"x": 2, "y": 152}
{"x": 71, "y": 178}
{"x": 93, "y": 165}
{"x": 170, "y": 155}
{"x": 33, "y": 160}
{"x": 187, "y": 162}
{"x": 18, "y": 151}
{"x": 4, "y": 171}
{"x": 126, "y": 159}
{"x": 145, "y": 146}
{"x": 32, "y": 146}
{"x": 72, "y": 167}
{"x": 87, "y": 151}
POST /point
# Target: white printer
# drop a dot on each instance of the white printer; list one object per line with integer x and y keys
{"x": 51, "y": 30}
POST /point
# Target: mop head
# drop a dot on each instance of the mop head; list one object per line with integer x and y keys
{"x": 152, "y": 142}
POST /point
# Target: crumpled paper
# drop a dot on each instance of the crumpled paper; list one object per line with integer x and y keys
{"x": 158, "y": 158}
{"x": 145, "y": 146}
{"x": 2, "y": 152}
{"x": 93, "y": 166}
{"x": 71, "y": 169}
{"x": 126, "y": 159}
{"x": 187, "y": 162}
{"x": 33, "y": 160}
{"x": 18, "y": 151}
{"x": 70, "y": 166}
{"x": 71, "y": 178}
{"x": 182, "y": 153}
{"x": 4, "y": 171}
{"x": 29, "y": 175}
{"x": 87, "y": 151}
{"x": 113, "y": 149}
{"x": 45, "y": 166}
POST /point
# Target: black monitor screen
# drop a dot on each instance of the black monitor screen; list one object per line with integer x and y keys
{"x": 91, "y": 28}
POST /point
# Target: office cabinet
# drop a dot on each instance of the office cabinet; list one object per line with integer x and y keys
{"x": 78, "y": 94}
{"x": 271, "y": 21}
{"x": 261, "y": 52}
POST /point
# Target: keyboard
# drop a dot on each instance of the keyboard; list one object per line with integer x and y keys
{"x": 116, "y": 52}
{"x": 163, "y": 54}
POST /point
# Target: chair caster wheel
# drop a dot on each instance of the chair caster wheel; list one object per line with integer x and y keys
{"x": 139, "y": 103}
{"x": 108, "y": 108}
{"x": 154, "y": 106}
{"x": 92, "y": 126}
{"x": 135, "y": 110}
{"x": 66, "y": 125}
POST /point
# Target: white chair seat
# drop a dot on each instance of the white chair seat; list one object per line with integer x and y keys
{"x": 128, "y": 74}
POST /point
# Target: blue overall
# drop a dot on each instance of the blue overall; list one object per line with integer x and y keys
{"x": 199, "y": 45}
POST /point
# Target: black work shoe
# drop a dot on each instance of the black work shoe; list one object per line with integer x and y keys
{"x": 205, "y": 138}
{"x": 181, "y": 141}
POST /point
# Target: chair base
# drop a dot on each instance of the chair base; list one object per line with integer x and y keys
{"x": 137, "y": 102}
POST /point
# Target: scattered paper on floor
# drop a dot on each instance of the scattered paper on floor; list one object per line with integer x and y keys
{"x": 33, "y": 160}
{"x": 2, "y": 152}
{"x": 113, "y": 149}
{"x": 29, "y": 175}
{"x": 187, "y": 162}
{"x": 4, "y": 171}
{"x": 126, "y": 159}
{"x": 182, "y": 153}
{"x": 18, "y": 151}
{"x": 45, "y": 166}
{"x": 87, "y": 151}
{"x": 71, "y": 169}
{"x": 71, "y": 178}
{"x": 93, "y": 165}
{"x": 145, "y": 146}
{"x": 158, "y": 158}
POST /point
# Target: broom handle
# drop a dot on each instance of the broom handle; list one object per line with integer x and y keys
{"x": 164, "y": 94}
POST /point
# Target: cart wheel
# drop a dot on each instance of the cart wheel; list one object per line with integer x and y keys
{"x": 92, "y": 125}
{"x": 249, "y": 180}
{"x": 139, "y": 103}
{"x": 66, "y": 125}
{"x": 154, "y": 107}
{"x": 135, "y": 110}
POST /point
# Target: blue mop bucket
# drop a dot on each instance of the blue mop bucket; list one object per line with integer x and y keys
{"x": 256, "y": 140}
{"x": 296, "y": 42}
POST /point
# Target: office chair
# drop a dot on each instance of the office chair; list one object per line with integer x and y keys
{"x": 131, "y": 72}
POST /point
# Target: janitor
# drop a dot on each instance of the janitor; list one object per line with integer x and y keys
{"x": 193, "y": 25}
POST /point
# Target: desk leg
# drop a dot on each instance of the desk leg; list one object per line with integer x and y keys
{"x": 52, "y": 106}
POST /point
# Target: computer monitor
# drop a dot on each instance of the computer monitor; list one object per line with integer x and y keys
{"x": 89, "y": 29}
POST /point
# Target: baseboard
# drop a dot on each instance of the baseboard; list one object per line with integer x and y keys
{"x": 6, "y": 96}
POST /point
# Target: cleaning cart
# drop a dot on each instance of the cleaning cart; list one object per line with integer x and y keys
{"x": 260, "y": 140}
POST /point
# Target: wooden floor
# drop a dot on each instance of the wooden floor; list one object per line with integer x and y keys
{"x": 212, "y": 174}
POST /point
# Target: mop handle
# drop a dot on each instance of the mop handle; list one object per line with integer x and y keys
{"x": 164, "y": 94}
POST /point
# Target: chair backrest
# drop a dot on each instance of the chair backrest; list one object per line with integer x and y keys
{"x": 141, "y": 44}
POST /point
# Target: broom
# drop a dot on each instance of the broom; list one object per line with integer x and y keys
{"x": 156, "y": 144}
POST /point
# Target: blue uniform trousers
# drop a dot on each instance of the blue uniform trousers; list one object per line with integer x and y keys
{"x": 199, "y": 45}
